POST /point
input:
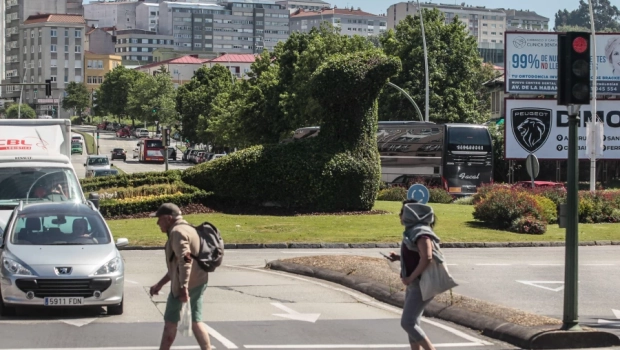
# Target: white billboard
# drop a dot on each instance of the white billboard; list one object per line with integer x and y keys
{"x": 541, "y": 127}
{"x": 532, "y": 63}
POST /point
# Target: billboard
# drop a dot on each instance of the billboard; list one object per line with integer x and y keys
{"x": 541, "y": 127}
{"x": 532, "y": 63}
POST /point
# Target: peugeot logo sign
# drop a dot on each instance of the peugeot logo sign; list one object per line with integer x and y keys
{"x": 63, "y": 270}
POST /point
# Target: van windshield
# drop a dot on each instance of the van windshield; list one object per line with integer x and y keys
{"x": 35, "y": 184}
{"x": 98, "y": 161}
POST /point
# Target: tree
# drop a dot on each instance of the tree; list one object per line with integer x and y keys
{"x": 152, "y": 98}
{"x": 113, "y": 92}
{"x": 77, "y": 97}
{"x": 193, "y": 100}
{"x": 606, "y": 16}
{"x": 456, "y": 71}
{"x": 26, "y": 112}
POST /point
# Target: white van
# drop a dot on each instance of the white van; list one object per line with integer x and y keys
{"x": 35, "y": 163}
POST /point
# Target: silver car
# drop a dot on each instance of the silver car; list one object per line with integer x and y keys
{"x": 60, "y": 255}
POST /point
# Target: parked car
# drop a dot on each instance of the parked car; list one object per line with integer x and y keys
{"x": 124, "y": 132}
{"x": 60, "y": 255}
{"x": 96, "y": 162}
{"x": 76, "y": 147}
{"x": 119, "y": 153}
{"x": 185, "y": 155}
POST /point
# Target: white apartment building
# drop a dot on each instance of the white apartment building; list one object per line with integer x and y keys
{"x": 136, "y": 46}
{"x": 310, "y": 5}
{"x": 526, "y": 20}
{"x": 52, "y": 48}
{"x": 2, "y": 42}
{"x": 147, "y": 16}
{"x": 351, "y": 22}
{"x": 485, "y": 24}
{"x": 121, "y": 15}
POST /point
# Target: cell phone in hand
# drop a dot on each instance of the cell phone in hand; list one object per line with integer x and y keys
{"x": 385, "y": 256}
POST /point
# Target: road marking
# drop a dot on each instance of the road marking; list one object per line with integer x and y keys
{"x": 222, "y": 339}
{"x": 294, "y": 315}
{"x": 182, "y": 347}
{"x": 597, "y": 265}
{"x": 493, "y": 264}
{"x": 78, "y": 322}
{"x": 133, "y": 282}
{"x": 369, "y": 301}
{"x": 546, "y": 264}
{"x": 356, "y": 346}
{"x": 538, "y": 284}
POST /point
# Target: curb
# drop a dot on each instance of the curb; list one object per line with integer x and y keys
{"x": 543, "y": 337}
{"x": 284, "y": 245}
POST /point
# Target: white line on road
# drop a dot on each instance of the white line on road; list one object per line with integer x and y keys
{"x": 493, "y": 264}
{"x": 183, "y": 347}
{"x": 222, "y": 339}
{"x": 597, "y": 265}
{"x": 546, "y": 264}
{"x": 369, "y": 301}
{"x": 356, "y": 346}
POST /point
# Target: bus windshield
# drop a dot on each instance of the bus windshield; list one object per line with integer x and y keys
{"x": 468, "y": 139}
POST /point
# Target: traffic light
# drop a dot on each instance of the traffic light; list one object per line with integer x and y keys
{"x": 574, "y": 68}
{"x": 53, "y": 111}
{"x": 154, "y": 110}
{"x": 48, "y": 87}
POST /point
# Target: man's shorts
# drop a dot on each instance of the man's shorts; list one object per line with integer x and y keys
{"x": 174, "y": 305}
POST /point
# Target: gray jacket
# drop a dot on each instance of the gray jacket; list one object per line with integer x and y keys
{"x": 417, "y": 218}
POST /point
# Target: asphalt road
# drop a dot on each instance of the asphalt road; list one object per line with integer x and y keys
{"x": 245, "y": 306}
{"x": 108, "y": 141}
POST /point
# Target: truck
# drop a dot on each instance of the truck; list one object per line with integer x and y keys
{"x": 35, "y": 164}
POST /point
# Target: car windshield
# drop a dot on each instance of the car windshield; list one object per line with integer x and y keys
{"x": 59, "y": 229}
{"x": 118, "y": 150}
{"x": 34, "y": 184}
{"x": 98, "y": 161}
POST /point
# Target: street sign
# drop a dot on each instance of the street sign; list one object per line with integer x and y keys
{"x": 532, "y": 166}
{"x": 418, "y": 192}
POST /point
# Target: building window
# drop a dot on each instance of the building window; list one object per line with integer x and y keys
{"x": 25, "y": 49}
{"x": 66, "y": 33}
{"x": 66, "y": 79}
{"x": 31, "y": 48}
{"x": 66, "y": 48}
{"x": 40, "y": 63}
{"x": 53, "y": 33}
{"x": 39, "y": 48}
{"x": 66, "y": 64}
{"x": 53, "y": 78}
{"x": 89, "y": 64}
{"x": 99, "y": 80}
{"x": 78, "y": 64}
{"x": 53, "y": 48}
{"x": 53, "y": 62}
{"x": 78, "y": 33}
{"x": 32, "y": 33}
{"x": 78, "y": 78}
{"x": 40, "y": 33}
{"x": 78, "y": 48}
{"x": 89, "y": 79}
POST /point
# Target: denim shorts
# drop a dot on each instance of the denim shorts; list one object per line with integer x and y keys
{"x": 174, "y": 305}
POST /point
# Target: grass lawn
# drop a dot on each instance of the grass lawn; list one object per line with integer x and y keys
{"x": 454, "y": 224}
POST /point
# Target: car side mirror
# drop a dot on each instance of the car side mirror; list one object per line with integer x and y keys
{"x": 121, "y": 242}
{"x": 84, "y": 164}
{"x": 94, "y": 198}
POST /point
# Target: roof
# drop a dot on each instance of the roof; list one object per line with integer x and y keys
{"x": 235, "y": 58}
{"x": 527, "y": 14}
{"x": 189, "y": 59}
{"x": 55, "y": 18}
{"x": 72, "y": 208}
{"x": 334, "y": 11}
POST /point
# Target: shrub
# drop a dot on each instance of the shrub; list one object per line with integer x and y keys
{"x": 529, "y": 225}
{"x": 395, "y": 193}
{"x": 596, "y": 207}
{"x": 557, "y": 195}
{"x": 335, "y": 171}
{"x": 485, "y": 189}
{"x": 548, "y": 209}
{"x": 95, "y": 184}
{"x": 467, "y": 200}
{"x": 502, "y": 206}
{"x": 110, "y": 208}
{"x": 439, "y": 195}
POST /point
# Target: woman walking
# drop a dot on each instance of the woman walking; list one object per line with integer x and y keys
{"x": 416, "y": 253}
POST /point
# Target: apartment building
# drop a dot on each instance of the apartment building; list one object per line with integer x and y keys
{"x": 14, "y": 14}
{"x": 485, "y": 24}
{"x": 351, "y": 22}
{"x": 228, "y": 26}
{"x": 136, "y": 46}
{"x": 238, "y": 64}
{"x": 310, "y": 5}
{"x": 97, "y": 66}
{"x": 99, "y": 41}
{"x": 526, "y": 20}
{"x": 2, "y": 42}
{"x": 52, "y": 48}
{"x": 147, "y": 16}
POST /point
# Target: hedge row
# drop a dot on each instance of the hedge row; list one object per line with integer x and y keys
{"x": 146, "y": 190}
{"x": 113, "y": 207}
{"x": 95, "y": 184}
{"x": 398, "y": 193}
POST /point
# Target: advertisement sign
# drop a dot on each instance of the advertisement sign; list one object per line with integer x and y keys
{"x": 532, "y": 63}
{"x": 30, "y": 141}
{"x": 540, "y": 127}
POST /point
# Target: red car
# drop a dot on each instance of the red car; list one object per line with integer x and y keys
{"x": 123, "y": 133}
{"x": 543, "y": 184}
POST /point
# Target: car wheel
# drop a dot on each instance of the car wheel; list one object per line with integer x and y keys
{"x": 116, "y": 309}
{"x": 6, "y": 311}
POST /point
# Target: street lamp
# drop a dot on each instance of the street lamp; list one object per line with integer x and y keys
{"x": 425, "y": 62}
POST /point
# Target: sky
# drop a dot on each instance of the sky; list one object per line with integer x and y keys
{"x": 547, "y": 8}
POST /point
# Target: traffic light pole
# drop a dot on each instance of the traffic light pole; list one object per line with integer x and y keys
{"x": 570, "y": 320}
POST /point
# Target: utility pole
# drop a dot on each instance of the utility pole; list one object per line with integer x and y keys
{"x": 426, "y": 98}
{"x": 594, "y": 136}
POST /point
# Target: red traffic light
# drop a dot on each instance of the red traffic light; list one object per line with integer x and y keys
{"x": 580, "y": 45}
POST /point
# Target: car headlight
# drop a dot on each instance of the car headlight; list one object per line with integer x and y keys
{"x": 111, "y": 266}
{"x": 15, "y": 268}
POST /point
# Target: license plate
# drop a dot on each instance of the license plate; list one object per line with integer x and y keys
{"x": 64, "y": 301}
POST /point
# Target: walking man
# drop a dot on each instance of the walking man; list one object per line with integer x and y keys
{"x": 189, "y": 281}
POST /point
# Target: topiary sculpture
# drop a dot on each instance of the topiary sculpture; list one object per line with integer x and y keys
{"x": 339, "y": 170}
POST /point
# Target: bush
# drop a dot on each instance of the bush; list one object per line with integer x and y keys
{"x": 557, "y": 195}
{"x": 395, "y": 193}
{"x": 439, "y": 195}
{"x": 110, "y": 208}
{"x": 485, "y": 189}
{"x": 147, "y": 190}
{"x": 597, "y": 207}
{"x": 95, "y": 184}
{"x": 467, "y": 200}
{"x": 339, "y": 170}
{"x": 529, "y": 225}
{"x": 548, "y": 209}
{"x": 502, "y": 206}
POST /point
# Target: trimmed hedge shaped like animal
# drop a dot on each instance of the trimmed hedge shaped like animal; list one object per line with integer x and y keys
{"x": 339, "y": 170}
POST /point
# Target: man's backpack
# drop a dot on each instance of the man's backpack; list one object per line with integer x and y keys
{"x": 211, "y": 251}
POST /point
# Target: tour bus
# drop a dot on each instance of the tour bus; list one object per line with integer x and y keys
{"x": 457, "y": 156}
{"x": 150, "y": 150}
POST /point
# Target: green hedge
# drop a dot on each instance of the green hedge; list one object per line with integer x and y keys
{"x": 94, "y": 184}
{"x": 337, "y": 171}
{"x": 147, "y": 190}
{"x": 111, "y": 208}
